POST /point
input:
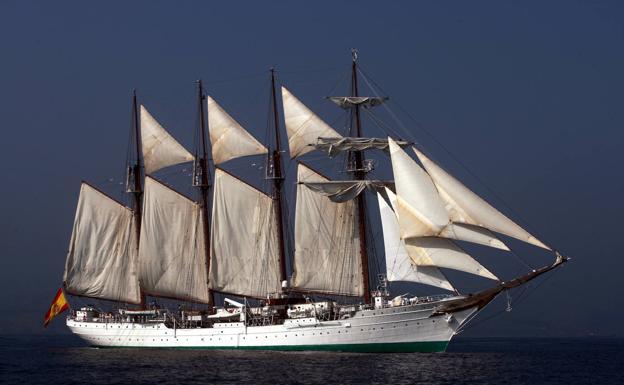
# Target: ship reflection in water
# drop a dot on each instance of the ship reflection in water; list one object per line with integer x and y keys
{"x": 65, "y": 359}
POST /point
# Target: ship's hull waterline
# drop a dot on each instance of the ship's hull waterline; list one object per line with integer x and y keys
{"x": 396, "y": 329}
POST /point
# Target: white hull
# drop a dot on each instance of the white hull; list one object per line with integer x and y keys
{"x": 393, "y": 329}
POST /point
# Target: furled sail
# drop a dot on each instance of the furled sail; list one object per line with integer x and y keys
{"x": 303, "y": 126}
{"x": 464, "y": 206}
{"x": 344, "y": 190}
{"x": 421, "y": 210}
{"x": 399, "y": 266}
{"x": 351, "y": 101}
{"x": 172, "y": 254}
{"x": 244, "y": 251}
{"x": 101, "y": 262}
{"x": 334, "y": 146}
{"x": 327, "y": 247}
{"x": 160, "y": 149}
{"x": 229, "y": 139}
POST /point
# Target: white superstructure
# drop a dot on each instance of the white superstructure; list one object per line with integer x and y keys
{"x": 402, "y": 328}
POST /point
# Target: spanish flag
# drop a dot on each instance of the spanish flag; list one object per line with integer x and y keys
{"x": 59, "y": 305}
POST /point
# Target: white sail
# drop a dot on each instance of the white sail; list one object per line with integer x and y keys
{"x": 303, "y": 126}
{"x": 229, "y": 139}
{"x": 244, "y": 251}
{"x": 442, "y": 252}
{"x": 399, "y": 266}
{"x": 101, "y": 262}
{"x": 474, "y": 234}
{"x": 172, "y": 254}
{"x": 160, "y": 149}
{"x": 467, "y": 207}
{"x": 327, "y": 247}
{"x": 421, "y": 210}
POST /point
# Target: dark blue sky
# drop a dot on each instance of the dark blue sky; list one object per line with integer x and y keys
{"x": 527, "y": 94}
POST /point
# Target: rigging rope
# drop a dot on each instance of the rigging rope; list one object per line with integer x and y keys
{"x": 456, "y": 159}
{"x": 526, "y": 292}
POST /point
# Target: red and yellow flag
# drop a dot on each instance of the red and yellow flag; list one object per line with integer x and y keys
{"x": 59, "y": 305}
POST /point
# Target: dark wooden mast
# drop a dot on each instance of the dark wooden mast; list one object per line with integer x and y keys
{"x": 133, "y": 183}
{"x": 136, "y": 169}
{"x": 275, "y": 162}
{"x": 359, "y": 174}
{"x": 201, "y": 179}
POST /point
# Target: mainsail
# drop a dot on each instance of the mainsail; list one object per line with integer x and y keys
{"x": 421, "y": 210}
{"x": 101, "y": 262}
{"x": 229, "y": 139}
{"x": 160, "y": 149}
{"x": 464, "y": 206}
{"x": 244, "y": 248}
{"x": 399, "y": 266}
{"x": 303, "y": 126}
{"x": 327, "y": 247}
{"x": 172, "y": 261}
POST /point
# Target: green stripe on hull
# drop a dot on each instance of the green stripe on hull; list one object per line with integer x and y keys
{"x": 401, "y": 347}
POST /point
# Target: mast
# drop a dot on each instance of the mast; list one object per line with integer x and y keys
{"x": 133, "y": 181}
{"x": 275, "y": 160}
{"x": 201, "y": 179}
{"x": 134, "y": 186}
{"x": 359, "y": 174}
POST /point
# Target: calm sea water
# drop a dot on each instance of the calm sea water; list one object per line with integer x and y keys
{"x": 65, "y": 360}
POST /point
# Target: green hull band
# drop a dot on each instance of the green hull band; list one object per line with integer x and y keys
{"x": 401, "y": 347}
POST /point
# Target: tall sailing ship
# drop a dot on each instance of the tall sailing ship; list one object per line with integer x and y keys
{"x": 226, "y": 259}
